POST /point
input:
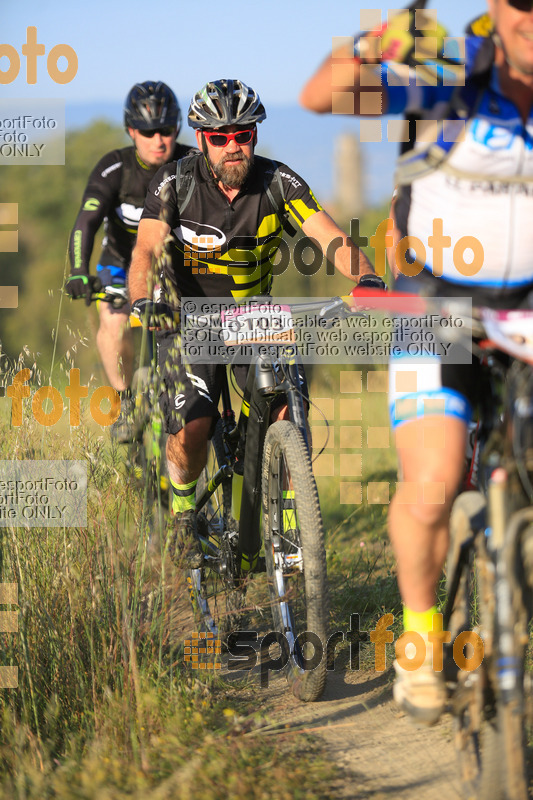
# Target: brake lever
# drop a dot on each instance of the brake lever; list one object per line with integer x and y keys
{"x": 343, "y": 311}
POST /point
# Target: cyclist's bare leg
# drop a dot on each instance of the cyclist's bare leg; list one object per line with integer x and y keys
{"x": 419, "y": 530}
{"x": 115, "y": 345}
{"x": 186, "y": 458}
{"x": 431, "y": 455}
{"x": 281, "y": 412}
{"x": 187, "y": 450}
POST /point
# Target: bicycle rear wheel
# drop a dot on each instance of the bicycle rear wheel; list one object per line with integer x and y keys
{"x": 217, "y": 596}
{"x": 295, "y": 558}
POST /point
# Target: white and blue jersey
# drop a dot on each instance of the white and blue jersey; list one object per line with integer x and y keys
{"x": 483, "y": 182}
{"x": 481, "y": 185}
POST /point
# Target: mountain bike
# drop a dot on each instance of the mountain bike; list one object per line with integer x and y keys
{"x": 489, "y": 569}
{"x": 146, "y": 459}
{"x": 258, "y": 488}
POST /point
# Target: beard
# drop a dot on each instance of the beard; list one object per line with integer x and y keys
{"x": 235, "y": 175}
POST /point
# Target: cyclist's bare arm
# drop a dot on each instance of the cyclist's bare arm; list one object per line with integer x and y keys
{"x": 342, "y": 252}
{"x": 150, "y": 240}
{"x": 317, "y": 92}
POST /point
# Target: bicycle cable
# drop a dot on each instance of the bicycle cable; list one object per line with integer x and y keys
{"x": 311, "y": 403}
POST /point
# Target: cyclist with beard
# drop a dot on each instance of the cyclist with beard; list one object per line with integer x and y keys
{"x": 115, "y": 195}
{"x": 478, "y": 180}
{"x": 227, "y": 203}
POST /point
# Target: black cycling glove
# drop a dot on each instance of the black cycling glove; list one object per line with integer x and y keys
{"x": 370, "y": 281}
{"x": 153, "y": 315}
{"x": 83, "y": 286}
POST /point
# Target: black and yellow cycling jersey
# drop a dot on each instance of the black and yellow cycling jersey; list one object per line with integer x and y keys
{"x": 220, "y": 248}
{"x": 115, "y": 194}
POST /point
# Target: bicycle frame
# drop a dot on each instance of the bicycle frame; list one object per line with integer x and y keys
{"x": 247, "y": 439}
{"x": 497, "y": 536}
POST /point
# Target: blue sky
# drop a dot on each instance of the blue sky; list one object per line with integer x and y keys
{"x": 274, "y": 46}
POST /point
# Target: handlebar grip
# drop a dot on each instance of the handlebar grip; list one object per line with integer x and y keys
{"x": 406, "y": 302}
{"x": 135, "y": 322}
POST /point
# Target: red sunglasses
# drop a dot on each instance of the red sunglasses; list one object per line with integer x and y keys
{"x": 222, "y": 139}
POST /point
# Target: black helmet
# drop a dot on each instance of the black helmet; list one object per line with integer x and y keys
{"x": 150, "y": 105}
{"x": 225, "y": 102}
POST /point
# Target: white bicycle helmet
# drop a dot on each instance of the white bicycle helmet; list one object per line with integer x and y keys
{"x": 225, "y": 102}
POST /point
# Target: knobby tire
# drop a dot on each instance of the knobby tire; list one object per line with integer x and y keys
{"x": 295, "y": 557}
{"x": 477, "y": 734}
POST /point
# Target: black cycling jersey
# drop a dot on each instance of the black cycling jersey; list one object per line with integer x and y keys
{"x": 221, "y": 248}
{"x": 115, "y": 193}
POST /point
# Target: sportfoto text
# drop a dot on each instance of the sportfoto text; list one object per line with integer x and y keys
{"x": 410, "y": 648}
{"x": 382, "y": 240}
{"x": 32, "y": 50}
{"x": 74, "y": 391}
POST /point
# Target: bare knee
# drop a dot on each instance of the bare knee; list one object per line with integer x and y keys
{"x": 428, "y": 501}
{"x": 282, "y": 413}
{"x": 193, "y": 436}
{"x": 115, "y": 325}
{"x": 431, "y": 454}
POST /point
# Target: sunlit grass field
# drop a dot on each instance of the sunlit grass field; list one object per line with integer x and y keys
{"x": 106, "y": 706}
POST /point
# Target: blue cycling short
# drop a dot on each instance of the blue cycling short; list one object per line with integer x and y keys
{"x": 111, "y": 276}
{"x": 436, "y": 388}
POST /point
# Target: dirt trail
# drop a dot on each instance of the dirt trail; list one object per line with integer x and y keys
{"x": 379, "y": 753}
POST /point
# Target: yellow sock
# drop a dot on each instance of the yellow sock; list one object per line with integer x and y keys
{"x": 183, "y": 496}
{"x": 421, "y": 621}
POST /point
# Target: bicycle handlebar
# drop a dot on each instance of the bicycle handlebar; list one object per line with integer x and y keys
{"x": 509, "y": 331}
{"x": 117, "y": 296}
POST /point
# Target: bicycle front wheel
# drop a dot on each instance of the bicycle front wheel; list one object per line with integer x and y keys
{"x": 295, "y": 559}
{"x": 477, "y": 732}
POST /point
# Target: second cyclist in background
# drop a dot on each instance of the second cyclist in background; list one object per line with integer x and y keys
{"x": 115, "y": 195}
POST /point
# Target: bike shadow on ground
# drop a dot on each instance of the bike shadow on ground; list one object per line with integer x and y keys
{"x": 341, "y": 685}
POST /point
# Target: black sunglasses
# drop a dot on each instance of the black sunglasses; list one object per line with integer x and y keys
{"x": 168, "y": 131}
{"x": 521, "y": 5}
